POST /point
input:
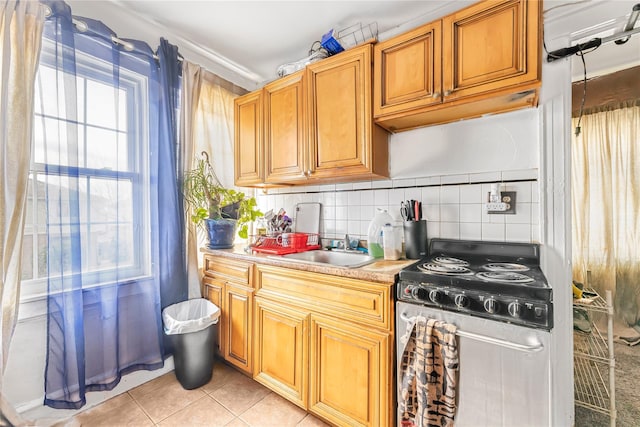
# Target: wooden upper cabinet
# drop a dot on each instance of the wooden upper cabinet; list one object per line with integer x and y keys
{"x": 480, "y": 60}
{"x": 408, "y": 70}
{"x": 284, "y": 129}
{"x": 248, "y": 150}
{"x": 491, "y": 45}
{"x": 343, "y": 141}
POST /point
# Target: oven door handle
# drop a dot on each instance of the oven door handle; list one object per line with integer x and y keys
{"x": 528, "y": 348}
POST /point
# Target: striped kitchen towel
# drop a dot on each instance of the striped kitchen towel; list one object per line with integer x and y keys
{"x": 429, "y": 373}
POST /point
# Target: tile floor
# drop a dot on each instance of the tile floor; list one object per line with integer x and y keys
{"x": 229, "y": 399}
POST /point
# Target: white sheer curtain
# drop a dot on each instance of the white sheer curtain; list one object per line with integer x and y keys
{"x": 191, "y": 87}
{"x": 21, "y": 26}
{"x": 207, "y": 125}
{"x": 606, "y": 205}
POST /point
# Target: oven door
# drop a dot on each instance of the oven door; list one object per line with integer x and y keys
{"x": 504, "y": 369}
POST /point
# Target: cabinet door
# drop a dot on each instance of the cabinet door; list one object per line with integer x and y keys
{"x": 214, "y": 292}
{"x": 340, "y": 114}
{"x": 281, "y": 350}
{"x": 248, "y": 150}
{"x": 239, "y": 318}
{"x": 407, "y": 70}
{"x": 284, "y": 121}
{"x": 350, "y": 373}
{"x": 491, "y": 46}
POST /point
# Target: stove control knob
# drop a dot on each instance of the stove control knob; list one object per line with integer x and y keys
{"x": 515, "y": 309}
{"x": 462, "y": 301}
{"x": 491, "y": 305}
{"x": 435, "y": 296}
{"x": 419, "y": 293}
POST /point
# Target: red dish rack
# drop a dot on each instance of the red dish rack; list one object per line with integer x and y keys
{"x": 286, "y": 243}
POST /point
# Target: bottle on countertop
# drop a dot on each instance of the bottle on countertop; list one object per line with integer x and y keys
{"x": 374, "y": 233}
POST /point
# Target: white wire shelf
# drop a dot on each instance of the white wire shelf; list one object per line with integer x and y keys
{"x": 591, "y": 345}
{"x": 590, "y": 390}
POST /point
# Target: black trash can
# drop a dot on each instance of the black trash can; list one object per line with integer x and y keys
{"x": 192, "y": 326}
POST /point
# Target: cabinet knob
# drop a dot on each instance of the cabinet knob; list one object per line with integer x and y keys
{"x": 436, "y": 95}
{"x": 448, "y": 92}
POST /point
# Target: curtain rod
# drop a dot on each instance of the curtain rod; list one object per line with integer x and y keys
{"x": 82, "y": 27}
{"x": 626, "y": 34}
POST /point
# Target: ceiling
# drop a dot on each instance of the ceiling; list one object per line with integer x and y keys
{"x": 246, "y": 41}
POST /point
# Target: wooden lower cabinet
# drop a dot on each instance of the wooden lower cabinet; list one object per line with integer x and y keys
{"x": 214, "y": 292}
{"x": 228, "y": 283}
{"x": 349, "y": 373}
{"x": 326, "y": 344}
{"x": 281, "y": 349}
{"x": 238, "y": 301}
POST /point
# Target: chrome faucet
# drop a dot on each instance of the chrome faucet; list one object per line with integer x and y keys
{"x": 347, "y": 243}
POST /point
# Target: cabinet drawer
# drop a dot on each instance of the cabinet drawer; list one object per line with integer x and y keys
{"x": 227, "y": 269}
{"x": 350, "y": 299}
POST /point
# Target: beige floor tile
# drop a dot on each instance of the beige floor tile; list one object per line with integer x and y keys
{"x": 239, "y": 394}
{"x": 273, "y": 410}
{"x": 153, "y": 386}
{"x": 204, "y": 412}
{"x": 237, "y": 423}
{"x": 222, "y": 374}
{"x": 165, "y": 397}
{"x": 118, "y": 411}
{"x": 311, "y": 421}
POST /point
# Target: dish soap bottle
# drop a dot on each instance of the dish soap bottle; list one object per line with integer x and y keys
{"x": 374, "y": 234}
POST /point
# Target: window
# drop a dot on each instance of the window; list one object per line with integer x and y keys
{"x": 106, "y": 125}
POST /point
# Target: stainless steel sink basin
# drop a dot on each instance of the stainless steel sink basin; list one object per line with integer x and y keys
{"x": 338, "y": 259}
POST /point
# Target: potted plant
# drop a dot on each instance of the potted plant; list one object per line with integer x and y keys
{"x": 219, "y": 211}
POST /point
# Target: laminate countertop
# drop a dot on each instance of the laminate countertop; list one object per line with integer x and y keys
{"x": 382, "y": 271}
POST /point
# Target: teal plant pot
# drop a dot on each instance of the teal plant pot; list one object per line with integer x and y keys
{"x": 221, "y": 233}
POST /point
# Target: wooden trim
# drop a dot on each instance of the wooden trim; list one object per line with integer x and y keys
{"x": 607, "y": 90}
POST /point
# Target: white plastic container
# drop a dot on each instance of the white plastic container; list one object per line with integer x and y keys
{"x": 375, "y": 235}
{"x": 392, "y": 241}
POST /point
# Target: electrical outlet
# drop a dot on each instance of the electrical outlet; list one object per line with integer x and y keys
{"x": 506, "y": 205}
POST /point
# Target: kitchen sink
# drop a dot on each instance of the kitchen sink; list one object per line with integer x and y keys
{"x": 338, "y": 259}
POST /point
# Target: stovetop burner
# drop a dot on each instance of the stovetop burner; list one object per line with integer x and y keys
{"x": 496, "y": 280}
{"x": 447, "y": 260}
{"x": 504, "y": 277}
{"x": 505, "y": 266}
{"x": 444, "y": 269}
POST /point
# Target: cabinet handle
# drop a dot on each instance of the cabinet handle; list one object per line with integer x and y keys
{"x": 448, "y": 92}
{"x": 436, "y": 95}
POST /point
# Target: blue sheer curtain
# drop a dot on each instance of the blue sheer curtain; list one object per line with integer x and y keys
{"x": 104, "y": 161}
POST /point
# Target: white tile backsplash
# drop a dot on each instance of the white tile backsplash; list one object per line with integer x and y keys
{"x": 354, "y": 198}
{"x": 450, "y": 194}
{"x": 450, "y": 212}
{"x": 471, "y": 193}
{"x": 522, "y": 215}
{"x": 493, "y": 231}
{"x": 413, "y": 193}
{"x": 450, "y": 230}
{"x": 456, "y": 210}
{"x": 470, "y": 231}
{"x": 471, "y": 212}
{"x": 518, "y": 232}
{"x": 381, "y": 198}
{"x": 366, "y": 197}
{"x": 396, "y": 196}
